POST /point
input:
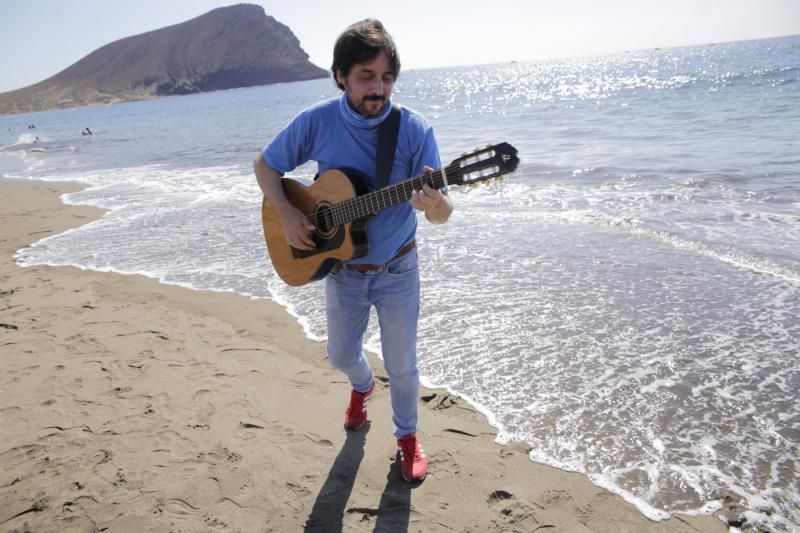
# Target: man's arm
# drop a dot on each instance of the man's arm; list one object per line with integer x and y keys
{"x": 296, "y": 225}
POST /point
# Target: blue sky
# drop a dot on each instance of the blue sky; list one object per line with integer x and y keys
{"x": 38, "y": 38}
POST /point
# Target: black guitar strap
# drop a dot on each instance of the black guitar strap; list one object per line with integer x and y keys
{"x": 387, "y": 142}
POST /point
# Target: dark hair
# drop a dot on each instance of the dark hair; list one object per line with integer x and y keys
{"x": 360, "y": 43}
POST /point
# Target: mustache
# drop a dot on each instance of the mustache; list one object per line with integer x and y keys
{"x": 376, "y": 97}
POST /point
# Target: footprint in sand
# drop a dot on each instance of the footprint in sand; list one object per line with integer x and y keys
{"x": 438, "y": 402}
{"x": 219, "y": 456}
{"x": 510, "y": 511}
{"x": 180, "y": 508}
{"x": 443, "y": 463}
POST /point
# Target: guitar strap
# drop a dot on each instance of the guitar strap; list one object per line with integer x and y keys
{"x": 387, "y": 142}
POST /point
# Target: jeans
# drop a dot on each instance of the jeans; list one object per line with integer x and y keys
{"x": 394, "y": 291}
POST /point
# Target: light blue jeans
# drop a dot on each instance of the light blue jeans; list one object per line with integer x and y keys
{"x": 394, "y": 291}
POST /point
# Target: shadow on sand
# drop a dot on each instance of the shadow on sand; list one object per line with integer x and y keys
{"x": 394, "y": 509}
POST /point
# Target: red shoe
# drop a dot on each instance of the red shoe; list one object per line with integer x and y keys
{"x": 413, "y": 463}
{"x": 356, "y": 415}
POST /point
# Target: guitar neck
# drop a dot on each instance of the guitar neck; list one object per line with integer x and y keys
{"x": 371, "y": 203}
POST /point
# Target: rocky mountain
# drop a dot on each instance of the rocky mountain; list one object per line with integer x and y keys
{"x": 229, "y": 47}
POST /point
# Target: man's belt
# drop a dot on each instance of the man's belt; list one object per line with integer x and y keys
{"x": 368, "y": 267}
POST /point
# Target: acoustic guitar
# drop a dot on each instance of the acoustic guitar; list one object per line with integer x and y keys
{"x": 338, "y": 206}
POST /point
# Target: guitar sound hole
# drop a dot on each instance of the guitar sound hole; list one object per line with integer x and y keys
{"x": 324, "y": 221}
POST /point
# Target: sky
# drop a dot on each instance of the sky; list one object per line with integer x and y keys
{"x": 39, "y": 38}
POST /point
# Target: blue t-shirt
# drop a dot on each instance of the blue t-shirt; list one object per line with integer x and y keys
{"x": 336, "y": 136}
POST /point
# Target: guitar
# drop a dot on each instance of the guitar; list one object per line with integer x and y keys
{"x": 338, "y": 207}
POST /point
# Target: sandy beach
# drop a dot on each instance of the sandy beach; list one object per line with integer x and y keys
{"x": 129, "y": 405}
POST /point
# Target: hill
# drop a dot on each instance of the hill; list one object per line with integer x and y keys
{"x": 229, "y": 47}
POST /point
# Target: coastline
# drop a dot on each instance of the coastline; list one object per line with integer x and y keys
{"x": 133, "y": 405}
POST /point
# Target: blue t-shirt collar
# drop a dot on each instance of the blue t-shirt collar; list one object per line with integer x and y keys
{"x": 358, "y": 120}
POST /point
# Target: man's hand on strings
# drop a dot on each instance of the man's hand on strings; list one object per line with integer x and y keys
{"x": 297, "y": 229}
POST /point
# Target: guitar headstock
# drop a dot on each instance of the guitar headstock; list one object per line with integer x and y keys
{"x": 483, "y": 164}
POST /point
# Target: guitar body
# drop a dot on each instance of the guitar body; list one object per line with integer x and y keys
{"x": 334, "y": 244}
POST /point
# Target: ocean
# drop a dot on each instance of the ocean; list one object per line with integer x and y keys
{"x": 627, "y": 302}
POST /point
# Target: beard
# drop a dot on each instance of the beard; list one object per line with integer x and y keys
{"x": 369, "y": 106}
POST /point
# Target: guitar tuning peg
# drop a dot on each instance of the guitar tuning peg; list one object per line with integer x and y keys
{"x": 473, "y": 185}
{"x": 464, "y": 154}
{"x": 489, "y": 145}
{"x": 501, "y": 177}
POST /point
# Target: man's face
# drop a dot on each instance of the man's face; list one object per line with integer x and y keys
{"x": 369, "y": 85}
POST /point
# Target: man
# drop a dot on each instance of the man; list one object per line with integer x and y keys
{"x": 342, "y": 133}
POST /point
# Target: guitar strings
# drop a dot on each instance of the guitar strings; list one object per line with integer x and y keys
{"x": 373, "y": 202}
{"x": 370, "y": 203}
{"x": 349, "y": 210}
